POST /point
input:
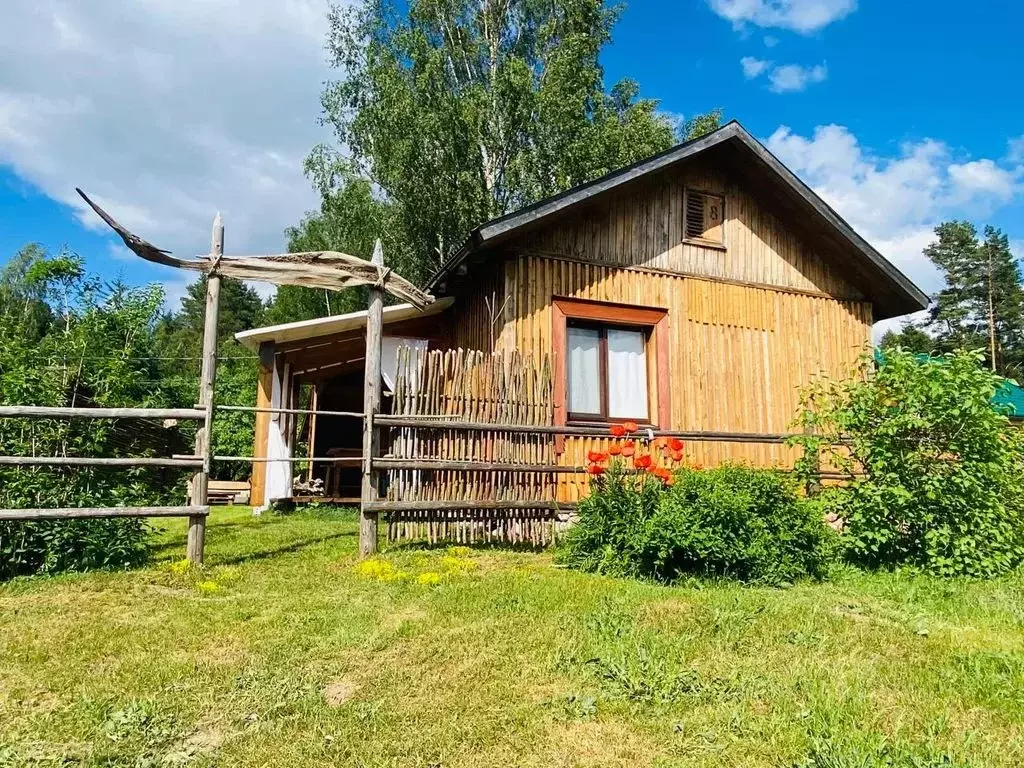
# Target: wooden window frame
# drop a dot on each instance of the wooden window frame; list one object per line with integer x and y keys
{"x": 655, "y": 320}
{"x": 701, "y": 241}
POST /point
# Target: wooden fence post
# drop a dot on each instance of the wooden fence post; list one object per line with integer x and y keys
{"x": 371, "y": 404}
{"x": 204, "y": 435}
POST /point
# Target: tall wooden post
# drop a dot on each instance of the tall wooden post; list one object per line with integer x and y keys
{"x": 204, "y": 436}
{"x": 371, "y": 404}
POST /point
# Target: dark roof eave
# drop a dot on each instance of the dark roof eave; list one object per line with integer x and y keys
{"x": 908, "y": 297}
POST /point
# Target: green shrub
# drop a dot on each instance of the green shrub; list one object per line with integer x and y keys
{"x": 738, "y": 521}
{"x": 734, "y": 521}
{"x": 71, "y": 545}
{"x": 610, "y": 532}
{"x": 937, "y": 473}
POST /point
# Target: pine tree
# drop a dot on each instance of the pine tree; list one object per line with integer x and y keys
{"x": 981, "y": 305}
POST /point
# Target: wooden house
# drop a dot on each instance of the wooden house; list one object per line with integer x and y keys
{"x": 696, "y": 290}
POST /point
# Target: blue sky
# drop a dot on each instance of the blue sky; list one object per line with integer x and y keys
{"x": 901, "y": 114}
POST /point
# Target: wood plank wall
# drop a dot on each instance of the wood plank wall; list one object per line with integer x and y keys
{"x": 258, "y": 478}
{"x": 642, "y": 226}
{"x": 738, "y": 354}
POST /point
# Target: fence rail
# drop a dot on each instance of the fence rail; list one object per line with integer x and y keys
{"x": 75, "y": 513}
{"x": 45, "y": 412}
{"x": 85, "y": 461}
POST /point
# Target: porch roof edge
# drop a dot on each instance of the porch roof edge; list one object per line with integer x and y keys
{"x": 325, "y": 326}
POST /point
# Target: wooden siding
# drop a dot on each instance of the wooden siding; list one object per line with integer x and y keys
{"x": 738, "y": 354}
{"x": 643, "y": 226}
{"x": 258, "y": 478}
{"x": 475, "y": 320}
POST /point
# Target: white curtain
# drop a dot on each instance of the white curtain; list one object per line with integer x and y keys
{"x": 389, "y": 357}
{"x": 627, "y": 374}
{"x": 584, "y": 370}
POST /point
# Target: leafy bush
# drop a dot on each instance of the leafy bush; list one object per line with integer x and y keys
{"x": 67, "y": 340}
{"x": 936, "y": 471}
{"x": 71, "y": 545}
{"x": 732, "y": 521}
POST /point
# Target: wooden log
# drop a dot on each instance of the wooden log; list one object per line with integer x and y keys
{"x": 207, "y": 378}
{"x": 299, "y": 411}
{"x": 436, "y": 422}
{"x": 448, "y": 505}
{"x": 41, "y": 412}
{"x": 355, "y": 460}
{"x": 80, "y": 513}
{"x": 82, "y": 461}
{"x": 371, "y": 405}
{"x": 473, "y": 466}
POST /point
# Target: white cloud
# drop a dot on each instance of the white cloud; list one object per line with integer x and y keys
{"x": 896, "y": 202}
{"x": 753, "y": 67}
{"x": 1015, "y": 150}
{"x": 770, "y": 42}
{"x": 790, "y": 78}
{"x": 167, "y": 111}
{"x": 803, "y": 16}
{"x": 984, "y": 176}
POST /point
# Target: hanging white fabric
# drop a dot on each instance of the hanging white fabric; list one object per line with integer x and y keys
{"x": 627, "y": 374}
{"x": 584, "y": 370}
{"x": 389, "y": 356}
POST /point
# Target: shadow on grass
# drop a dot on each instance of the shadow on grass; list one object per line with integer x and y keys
{"x": 171, "y": 547}
{"x": 478, "y": 546}
{"x": 295, "y": 546}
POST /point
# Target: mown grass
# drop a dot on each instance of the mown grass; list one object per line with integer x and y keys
{"x": 283, "y": 653}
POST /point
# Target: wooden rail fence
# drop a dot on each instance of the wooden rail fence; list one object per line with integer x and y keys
{"x": 197, "y": 509}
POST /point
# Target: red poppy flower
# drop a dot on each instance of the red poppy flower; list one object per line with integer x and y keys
{"x": 596, "y": 456}
{"x": 617, "y": 430}
{"x": 628, "y": 449}
{"x": 676, "y": 444}
{"x": 677, "y": 455}
{"x": 660, "y": 442}
{"x": 629, "y": 426}
{"x": 595, "y": 469}
{"x": 614, "y": 450}
{"x": 642, "y": 462}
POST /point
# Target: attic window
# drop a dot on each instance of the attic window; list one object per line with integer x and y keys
{"x": 705, "y": 214}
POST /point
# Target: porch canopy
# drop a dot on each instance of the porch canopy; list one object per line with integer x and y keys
{"x": 318, "y": 365}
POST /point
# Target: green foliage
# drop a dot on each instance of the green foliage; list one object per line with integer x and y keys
{"x": 937, "y": 472}
{"x": 610, "y": 534}
{"x": 67, "y": 340}
{"x": 733, "y": 521}
{"x": 741, "y": 522}
{"x": 350, "y": 220}
{"x": 983, "y": 290}
{"x": 71, "y": 545}
{"x": 457, "y": 112}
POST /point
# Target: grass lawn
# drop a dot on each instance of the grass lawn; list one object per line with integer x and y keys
{"x": 282, "y": 653}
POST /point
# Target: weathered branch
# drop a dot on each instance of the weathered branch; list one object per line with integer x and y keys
{"x": 330, "y": 270}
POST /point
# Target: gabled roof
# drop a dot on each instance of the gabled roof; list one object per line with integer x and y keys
{"x": 891, "y": 292}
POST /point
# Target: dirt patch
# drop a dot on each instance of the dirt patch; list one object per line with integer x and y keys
{"x": 205, "y": 740}
{"x": 339, "y": 692}
{"x": 597, "y": 743}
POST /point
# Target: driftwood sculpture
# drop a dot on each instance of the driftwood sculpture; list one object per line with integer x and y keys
{"x": 316, "y": 269}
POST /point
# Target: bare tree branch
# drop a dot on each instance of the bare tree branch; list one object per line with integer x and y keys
{"x": 330, "y": 270}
